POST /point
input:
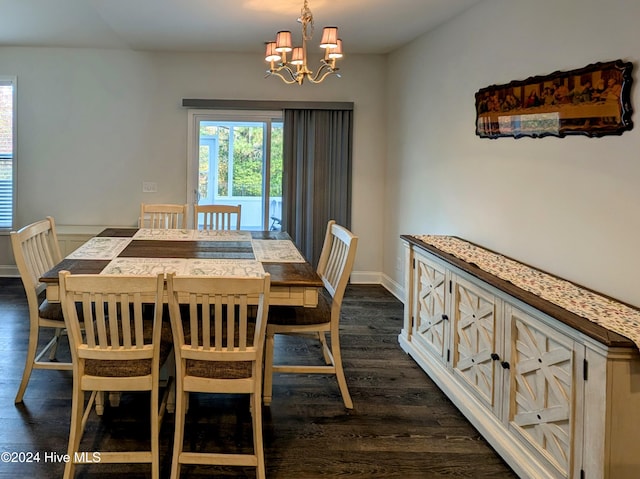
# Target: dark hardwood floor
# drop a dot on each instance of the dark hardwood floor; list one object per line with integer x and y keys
{"x": 402, "y": 426}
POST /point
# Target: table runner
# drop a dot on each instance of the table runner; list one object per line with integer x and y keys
{"x": 222, "y": 235}
{"x": 598, "y": 309}
{"x": 191, "y": 235}
{"x": 100, "y": 248}
{"x": 185, "y": 267}
{"x": 166, "y": 234}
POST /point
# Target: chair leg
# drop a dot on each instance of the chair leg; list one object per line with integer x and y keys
{"x": 100, "y": 403}
{"x": 54, "y": 346}
{"x": 178, "y": 436}
{"x": 155, "y": 433}
{"x": 114, "y": 399}
{"x": 171, "y": 398}
{"x": 168, "y": 371}
{"x": 337, "y": 360}
{"x": 325, "y": 347}
{"x": 268, "y": 368}
{"x": 75, "y": 429}
{"x": 258, "y": 447}
{"x": 28, "y": 364}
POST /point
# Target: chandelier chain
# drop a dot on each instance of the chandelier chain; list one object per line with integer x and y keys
{"x": 306, "y": 18}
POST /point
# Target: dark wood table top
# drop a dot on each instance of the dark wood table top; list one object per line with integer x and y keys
{"x": 282, "y": 274}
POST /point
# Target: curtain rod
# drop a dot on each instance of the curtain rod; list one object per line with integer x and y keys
{"x": 265, "y": 104}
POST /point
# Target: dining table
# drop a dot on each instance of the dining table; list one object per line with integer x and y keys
{"x": 192, "y": 252}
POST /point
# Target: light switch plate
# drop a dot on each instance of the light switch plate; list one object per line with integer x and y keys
{"x": 149, "y": 187}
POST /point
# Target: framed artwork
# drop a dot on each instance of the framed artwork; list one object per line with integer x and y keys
{"x": 592, "y": 101}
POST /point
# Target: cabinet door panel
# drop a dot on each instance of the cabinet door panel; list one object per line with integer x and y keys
{"x": 541, "y": 393}
{"x": 474, "y": 326}
{"x": 430, "y": 324}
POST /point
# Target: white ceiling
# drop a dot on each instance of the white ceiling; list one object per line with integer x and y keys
{"x": 366, "y": 26}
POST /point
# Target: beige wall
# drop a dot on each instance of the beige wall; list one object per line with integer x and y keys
{"x": 568, "y": 206}
{"x": 94, "y": 124}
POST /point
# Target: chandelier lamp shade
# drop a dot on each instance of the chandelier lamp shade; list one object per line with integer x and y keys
{"x": 291, "y": 63}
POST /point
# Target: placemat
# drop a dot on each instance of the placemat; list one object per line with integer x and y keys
{"x": 238, "y": 268}
{"x": 276, "y": 251}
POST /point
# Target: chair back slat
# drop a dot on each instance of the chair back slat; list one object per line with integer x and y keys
{"x": 138, "y": 316}
{"x": 219, "y": 317}
{"x": 164, "y": 220}
{"x": 243, "y": 324}
{"x": 115, "y": 322}
{"x": 126, "y": 322}
{"x": 231, "y": 342}
{"x": 336, "y": 259}
{"x": 217, "y": 217}
{"x": 217, "y": 322}
{"x": 163, "y": 216}
{"x": 336, "y": 262}
{"x": 99, "y": 318}
{"x": 39, "y": 253}
{"x": 206, "y": 325}
{"x": 193, "y": 318}
{"x": 87, "y": 312}
{"x": 113, "y": 314}
{"x": 36, "y": 251}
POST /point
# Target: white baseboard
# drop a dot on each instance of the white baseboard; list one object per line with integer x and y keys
{"x": 374, "y": 277}
{"x": 9, "y": 271}
{"x": 393, "y": 287}
{"x": 366, "y": 277}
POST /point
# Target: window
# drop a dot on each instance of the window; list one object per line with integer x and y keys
{"x": 235, "y": 157}
{"x": 7, "y": 150}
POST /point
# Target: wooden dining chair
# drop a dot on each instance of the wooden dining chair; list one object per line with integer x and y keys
{"x": 217, "y": 217}
{"x": 163, "y": 216}
{"x": 218, "y": 350}
{"x": 120, "y": 349}
{"x": 334, "y": 267}
{"x": 36, "y": 250}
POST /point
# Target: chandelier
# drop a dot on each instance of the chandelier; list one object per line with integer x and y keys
{"x": 290, "y": 63}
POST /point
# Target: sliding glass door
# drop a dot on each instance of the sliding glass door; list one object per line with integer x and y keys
{"x": 235, "y": 157}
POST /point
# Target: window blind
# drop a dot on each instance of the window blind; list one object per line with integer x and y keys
{"x": 7, "y": 148}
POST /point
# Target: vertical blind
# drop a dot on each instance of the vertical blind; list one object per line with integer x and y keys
{"x": 7, "y": 147}
{"x": 316, "y": 178}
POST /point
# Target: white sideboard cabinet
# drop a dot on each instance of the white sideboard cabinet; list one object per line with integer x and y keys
{"x": 555, "y": 394}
